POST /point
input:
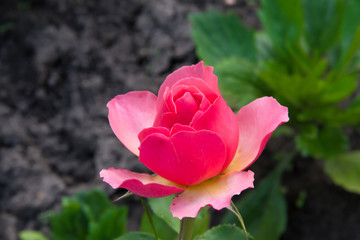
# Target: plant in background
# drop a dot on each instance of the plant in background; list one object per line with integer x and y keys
{"x": 86, "y": 216}
{"x": 307, "y": 56}
{"x": 193, "y": 142}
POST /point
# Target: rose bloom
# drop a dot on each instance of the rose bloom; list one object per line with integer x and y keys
{"x": 192, "y": 141}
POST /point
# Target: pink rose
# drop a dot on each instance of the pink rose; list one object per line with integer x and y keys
{"x": 191, "y": 140}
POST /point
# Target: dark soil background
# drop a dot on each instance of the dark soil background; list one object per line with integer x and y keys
{"x": 61, "y": 61}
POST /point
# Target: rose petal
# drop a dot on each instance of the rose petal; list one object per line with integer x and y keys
{"x": 141, "y": 184}
{"x": 131, "y": 113}
{"x": 216, "y": 192}
{"x": 147, "y": 131}
{"x": 198, "y": 95}
{"x": 166, "y": 120}
{"x": 178, "y": 128}
{"x": 173, "y": 107}
{"x": 186, "y": 158}
{"x": 220, "y": 119}
{"x": 196, "y": 71}
{"x": 186, "y": 108}
{"x": 194, "y": 85}
{"x": 169, "y": 104}
{"x": 257, "y": 121}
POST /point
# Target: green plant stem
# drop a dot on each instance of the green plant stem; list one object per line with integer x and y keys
{"x": 148, "y": 214}
{"x": 234, "y": 209}
{"x": 186, "y": 228}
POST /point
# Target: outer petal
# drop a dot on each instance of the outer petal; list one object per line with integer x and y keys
{"x": 131, "y": 113}
{"x": 140, "y": 184}
{"x": 196, "y": 71}
{"x": 216, "y": 192}
{"x": 257, "y": 121}
{"x": 186, "y": 157}
{"x": 220, "y": 119}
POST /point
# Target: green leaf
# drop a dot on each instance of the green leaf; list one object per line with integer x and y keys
{"x": 202, "y": 222}
{"x": 228, "y": 232}
{"x": 323, "y": 19}
{"x": 264, "y": 46}
{"x": 86, "y": 216}
{"x": 295, "y": 89}
{"x": 354, "y": 108}
{"x": 218, "y": 36}
{"x": 94, "y": 202}
{"x": 161, "y": 208}
{"x": 71, "y": 223}
{"x": 331, "y": 115}
{"x": 282, "y": 20}
{"x": 163, "y": 230}
{"x": 136, "y": 236}
{"x": 112, "y": 223}
{"x": 284, "y": 130}
{"x": 349, "y": 34}
{"x": 260, "y": 206}
{"x": 347, "y": 55}
{"x": 326, "y": 142}
{"x": 344, "y": 170}
{"x": 32, "y": 235}
{"x": 339, "y": 89}
{"x": 348, "y": 58}
{"x": 238, "y": 81}
{"x": 351, "y": 23}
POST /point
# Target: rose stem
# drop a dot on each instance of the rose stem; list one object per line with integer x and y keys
{"x": 186, "y": 228}
{"x": 148, "y": 214}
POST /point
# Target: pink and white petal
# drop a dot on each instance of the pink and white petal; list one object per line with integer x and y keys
{"x": 216, "y": 192}
{"x": 129, "y": 114}
{"x": 197, "y": 71}
{"x": 257, "y": 121}
{"x": 141, "y": 184}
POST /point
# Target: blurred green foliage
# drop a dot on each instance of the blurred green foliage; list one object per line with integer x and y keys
{"x": 136, "y": 236}
{"x": 307, "y": 56}
{"x": 86, "y": 216}
{"x": 32, "y": 235}
{"x": 227, "y": 232}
